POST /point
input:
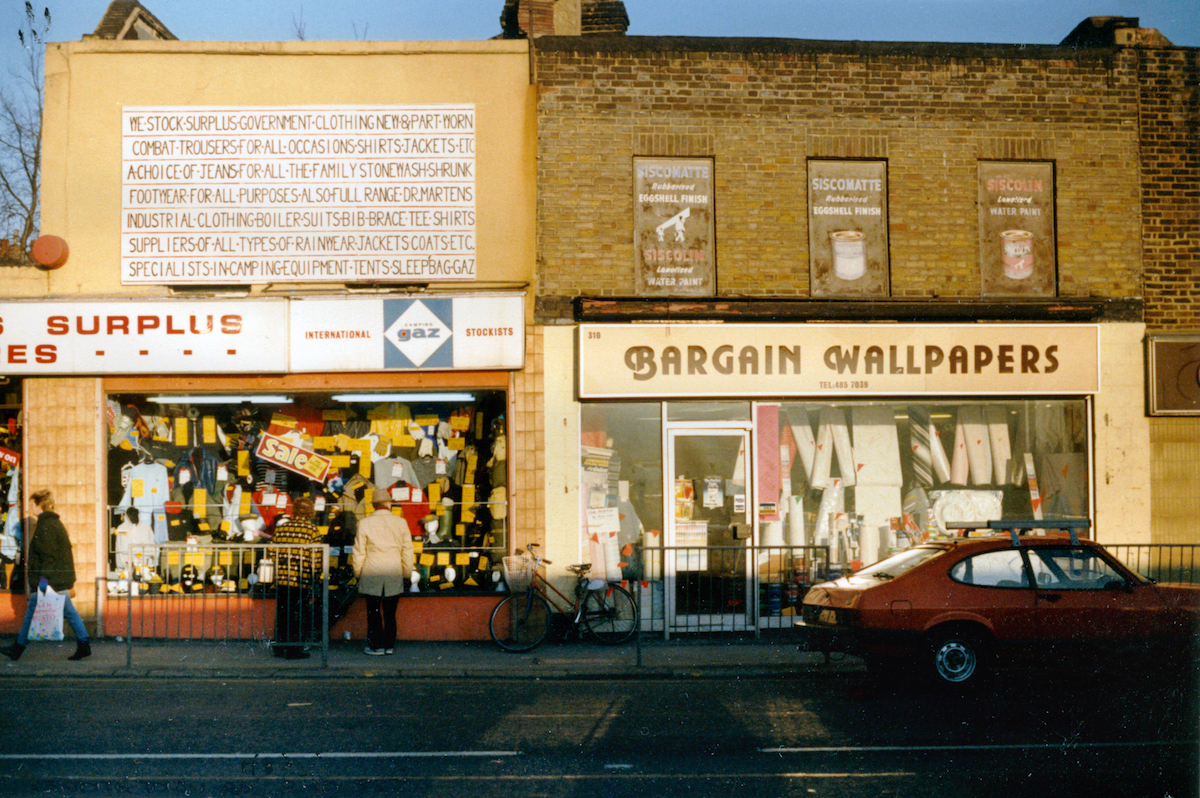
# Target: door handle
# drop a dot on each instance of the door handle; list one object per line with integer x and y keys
{"x": 1049, "y": 596}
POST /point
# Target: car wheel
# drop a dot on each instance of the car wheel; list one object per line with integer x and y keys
{"x": 958, "y": 658}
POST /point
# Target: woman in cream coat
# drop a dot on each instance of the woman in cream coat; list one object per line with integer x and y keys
{"x": 383, "y": 557}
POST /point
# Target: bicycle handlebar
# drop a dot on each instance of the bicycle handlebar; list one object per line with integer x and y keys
{"x": 530, "y": 548}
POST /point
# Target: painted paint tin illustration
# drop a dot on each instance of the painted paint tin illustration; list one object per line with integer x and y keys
{"x": 1018, "y": 253}
{"x": 849, "y": 254}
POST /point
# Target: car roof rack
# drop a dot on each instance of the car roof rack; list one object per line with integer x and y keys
{"x": 1014, "y": 526}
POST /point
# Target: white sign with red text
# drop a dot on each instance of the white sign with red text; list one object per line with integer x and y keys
{"x": 291, "y": 456}
{"x": 263, "y": 336}
{"x": 131, "y": 337}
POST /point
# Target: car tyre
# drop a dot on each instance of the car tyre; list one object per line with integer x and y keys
{"x": 958, "y": 658}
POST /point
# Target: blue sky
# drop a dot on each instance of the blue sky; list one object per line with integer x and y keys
{"x": 1005, "y": 21}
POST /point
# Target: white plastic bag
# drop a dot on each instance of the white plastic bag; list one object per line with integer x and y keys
{"x": 47, "y": 622}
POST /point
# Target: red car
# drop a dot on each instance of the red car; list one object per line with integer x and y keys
{"x": 959, "y": 602}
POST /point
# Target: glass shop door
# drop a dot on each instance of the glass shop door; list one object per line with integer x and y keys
{"x": 708, "y": 501}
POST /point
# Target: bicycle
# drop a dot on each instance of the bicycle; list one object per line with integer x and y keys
{"x": 521, "y": 621}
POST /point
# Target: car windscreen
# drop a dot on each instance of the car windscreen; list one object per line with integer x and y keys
{"x": 901, "y": 563}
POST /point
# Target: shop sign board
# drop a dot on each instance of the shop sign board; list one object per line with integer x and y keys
{"x": 411, "y": 334}
{"x": 699, "y": 360}
{"x": 1016, "y": 228}
{"x": 292, "y": 457}
{"x": 135, "y": 337}
{"x": 848, "y": 228}
{"x": 674, "y": 227}
{"x": 345, "y": 194}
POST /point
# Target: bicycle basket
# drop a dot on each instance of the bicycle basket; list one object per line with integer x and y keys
{"x": 518, "y": 573}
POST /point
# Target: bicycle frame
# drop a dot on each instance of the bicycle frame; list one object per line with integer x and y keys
{"x": 521, "y": 620}
{"x": 541, "y": 583}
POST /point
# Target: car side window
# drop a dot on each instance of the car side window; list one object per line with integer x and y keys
{"x": 992, "y": 569}
{"x": 1071, "y": 569}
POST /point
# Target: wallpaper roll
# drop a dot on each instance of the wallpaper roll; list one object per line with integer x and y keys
{"x": 772, "y": 534}
{"x": 833, "y": 502}
{"x": 919, "y": 427}
{"x": 876, "y": 447}
{"x": 1017, "y": 473}
{"x": 959, "y": 468}
{"x": 769, "y": 476}
{"x": 877, "y": 505}
{"x": 612, "y": 557}
{"x": 823, "y": 457}
{"x": 842, "y": 446}
{"x": 795, "y": 522}
{"x": 997, "y": 426}
{"x": 979, "y": 449}
{"x": 937, "y": 448}
{"x": 806, "y": 442}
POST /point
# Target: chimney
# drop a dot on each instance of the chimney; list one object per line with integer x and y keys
{"x": 1113, "y": 31}
{"x": 522, "y": 19}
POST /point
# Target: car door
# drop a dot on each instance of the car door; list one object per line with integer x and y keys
{"x": 995, "y": 585}
{"x": 1082, "y": 597}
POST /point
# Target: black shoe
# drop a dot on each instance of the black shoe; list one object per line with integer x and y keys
{"x": 82, "y": 650}
{"x": 13, "y": 652}
{"x": 297, "y": 655}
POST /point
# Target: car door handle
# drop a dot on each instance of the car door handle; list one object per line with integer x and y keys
{"x": 1049, "y": 596}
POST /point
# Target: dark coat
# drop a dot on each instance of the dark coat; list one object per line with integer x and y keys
{"x": 50, "y": 554}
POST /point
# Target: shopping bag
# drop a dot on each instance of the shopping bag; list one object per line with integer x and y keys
{"x": 47, "y": 622}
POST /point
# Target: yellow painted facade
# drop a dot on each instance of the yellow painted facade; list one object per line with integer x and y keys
{"x": 88, "y": 83}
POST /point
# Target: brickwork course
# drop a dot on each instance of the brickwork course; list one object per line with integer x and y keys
{"x": 1170, "y": 122}
{"x": 1118, "y": 123}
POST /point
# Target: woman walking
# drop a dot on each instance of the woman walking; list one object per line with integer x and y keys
{"x": 50, "y": 558}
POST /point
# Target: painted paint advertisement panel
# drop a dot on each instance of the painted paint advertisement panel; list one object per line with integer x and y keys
{"x": 674, "y": 247}
{"x": 847, "y": 228}
{"x": 1017, "y": 246}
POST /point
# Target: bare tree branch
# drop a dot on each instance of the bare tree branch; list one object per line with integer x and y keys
{"x": 298, "y": 25}
{"x": 21, "y": 103}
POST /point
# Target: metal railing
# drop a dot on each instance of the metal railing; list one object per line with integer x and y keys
{"x": 735, "y": 591}
{"x": 222, "y": 593}
{"x": 1162, "y": 562}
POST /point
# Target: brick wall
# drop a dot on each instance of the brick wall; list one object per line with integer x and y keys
{"x": 62, "y": 416}
{"x": 761, "y": 108}
{"x": 529, "y": 431}
{"x": 1170, "y": 114}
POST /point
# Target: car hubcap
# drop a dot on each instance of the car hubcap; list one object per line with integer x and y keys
{"x": 955, "y": 661}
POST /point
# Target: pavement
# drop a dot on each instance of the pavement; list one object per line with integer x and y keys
{"x": 647, "y": 658}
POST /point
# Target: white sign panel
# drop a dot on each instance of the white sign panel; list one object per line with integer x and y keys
{"x": 429, "y": 333}
{"x": 214, "y": 196}
{"x": 665, "y": 360}
{"x": 116, "y": 337}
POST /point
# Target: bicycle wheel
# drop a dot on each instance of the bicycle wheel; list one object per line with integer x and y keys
{"x": 520, "y": 622}
{"x": 610, "y": 614}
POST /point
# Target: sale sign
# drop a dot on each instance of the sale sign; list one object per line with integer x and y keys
{"x": 10, "y": 457}
{"x": 285, "y": 454}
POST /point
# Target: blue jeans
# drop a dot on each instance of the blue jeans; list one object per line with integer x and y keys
{"x": 70, "y": 616}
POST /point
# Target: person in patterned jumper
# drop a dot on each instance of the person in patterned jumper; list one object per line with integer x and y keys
{"x": 295, "y": 575}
